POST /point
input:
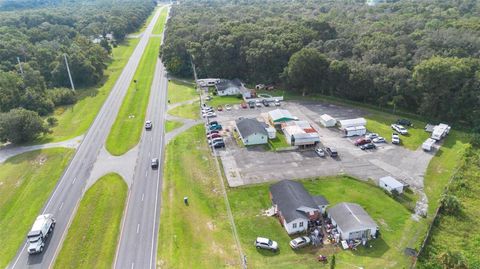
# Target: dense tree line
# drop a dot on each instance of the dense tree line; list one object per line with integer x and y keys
{"x": 33, "y": 43}
{"x": 419, "y": 56}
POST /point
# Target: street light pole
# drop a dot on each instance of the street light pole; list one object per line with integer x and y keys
{"x": 68, "y": 70}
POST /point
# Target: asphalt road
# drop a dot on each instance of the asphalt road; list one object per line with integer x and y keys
{"x": 69, "y": 190}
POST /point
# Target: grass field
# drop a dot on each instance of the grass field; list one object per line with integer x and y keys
{"x": 26, "y": 182}
{"x": 224, "y": 100}
{"x": 171, "y": 125}
{"x": 179, "y": 91}
{"x": 198, "y": 235}
{"x": 127, "y": 128}
{"x": 93, "y": 235}
{"x": 74, "y": 120}
{"x": 278, "y": 142}
{"x": 158, "y": 28}
{"x": 386, "y": 252}
{"x": 188, "y": 111}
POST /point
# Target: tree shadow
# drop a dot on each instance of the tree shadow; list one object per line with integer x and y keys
{"x": 375, "y": 248}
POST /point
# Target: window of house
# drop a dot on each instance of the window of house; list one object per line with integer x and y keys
{"x": 301, "y": 224}
{"x": 294, "y": 225}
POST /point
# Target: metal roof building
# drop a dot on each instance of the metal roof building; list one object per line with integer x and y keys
{"x": 352, "y": 221}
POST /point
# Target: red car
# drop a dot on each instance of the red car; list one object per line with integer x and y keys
{"x": 244, "y": 105}
{"x": 212, "y": 136}
{"x": 362, "y": 141}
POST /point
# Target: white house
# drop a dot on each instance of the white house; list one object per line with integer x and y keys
{"x": 352, "y": 221}
{"x": 294, "y": 206}
{"x": 352, "y": 123}
{"x": 327, "y": 120}
{"x": 300, "y": 133}
{"x": 228, "y": 87}
{"x": 389, "y": 184}
{"x": 251, "y": 131}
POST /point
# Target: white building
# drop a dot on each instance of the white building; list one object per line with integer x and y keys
{"x": 207, "y": 82}
{"x": 294, "y": 206}
{"x": 277, "y": 116}
{"x": 352, "y": 123}
{"x": 300, "y": 133}
{"x": 327, "y": 120}
{"x": 352, "y": 221}
{"x": 355, "y": 131}
{"x": 389, "y": 184}
{"x": 252, "y": 132}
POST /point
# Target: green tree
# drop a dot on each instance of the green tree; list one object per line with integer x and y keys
{"x": 450, "y": 204}
{"x": 332, "y": 262}
{"x": 20, "y": 125}
{"x": 452, "y": 260}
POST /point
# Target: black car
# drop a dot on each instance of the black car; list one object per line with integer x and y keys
{"x": 332, "y": 152}
{"x": 154, "y": 163}
{"x": 213, "y": 123}
{"x": 368, "y": 146}
{"x": 265, "y": 103}
{"x": 251, "y": 104}
{"x": 404, "y": 122}
{"x": 219, "y": 145}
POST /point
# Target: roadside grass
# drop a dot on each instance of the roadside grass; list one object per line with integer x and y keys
{"x": 393, "y": 219}
{"x": 158, "y": 27}
{"x": 198, "y": 235}
{"x": 26, "y": 182}
{"x": 224, "y": 100}
{"x": 74, "y": 120}
{"x": 93, "y": 235}
{"x": 278, "y": 142}
{"x": 127, "y": 128}
{"x": 187, "y": 111}
{"x": 179, "y": 91}
{"x": 172, "y": 125}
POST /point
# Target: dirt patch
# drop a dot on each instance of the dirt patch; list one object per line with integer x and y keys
{"x": 211, "y": 226}
{"x": 40, "y": 160}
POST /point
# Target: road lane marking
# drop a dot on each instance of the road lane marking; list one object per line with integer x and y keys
{"x": 146, "y": 173}
{"x": 60, "y": 208}
{"x": 73, "y": 182}
{"x": 143, "y": 196}
{"x": 133, "y": 264}
{"x": 138, "y": 228}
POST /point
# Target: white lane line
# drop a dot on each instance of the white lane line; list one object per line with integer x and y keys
{"x": 60, "y": 208}
{"x": 143, "y": 196}
{"x": 151, "y": 139}
{"x": 133, "y": 264}
{"x": 138, "y": 228}
{"x": 146, "y": 173}
{"x": 73, "y": 182}
{"x": 18, "y": 258}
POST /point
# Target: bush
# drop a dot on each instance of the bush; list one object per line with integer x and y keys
{"x": 62, "y": 96}
{"x": 20, "y": 125}
{"x": 52, "y": 121}
{"x": 450, "y": 204}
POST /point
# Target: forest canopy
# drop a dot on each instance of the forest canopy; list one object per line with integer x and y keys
{"x": 419, "y": 56}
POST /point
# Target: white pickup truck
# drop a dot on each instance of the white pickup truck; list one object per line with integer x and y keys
{"x": 41, "y": 229}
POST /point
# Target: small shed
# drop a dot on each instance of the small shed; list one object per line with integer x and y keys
{"x": 355, "y": 131}
{"x": 251, "y": 131}
{"x": 278, "y": 116}
{"x": 327, "y": 120}
{"x": 352, "y": 123}
{"x": 389, "y": 184}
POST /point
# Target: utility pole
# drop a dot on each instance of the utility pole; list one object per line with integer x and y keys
{"x": 20, "y": 65}
{"x": 68, "y": 70}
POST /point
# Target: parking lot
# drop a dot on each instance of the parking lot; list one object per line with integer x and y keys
{"x": 257, "y": 164}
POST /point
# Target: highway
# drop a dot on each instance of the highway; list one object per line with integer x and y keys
{"x": 70, "y": 188}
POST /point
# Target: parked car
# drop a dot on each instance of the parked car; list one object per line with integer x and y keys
{"x": 332, "y": 152}
{"x": 228, "y": 107}
{"x": 258, "y": 104}
{"x": 215, "y": 140}
{"x": 219, "y": 145}
{"x": 215, "y": 135}
{"x": 300, "y": 242}
{"x": 277, "y": 103}
{"x": 208, "y": 98}
{"x": 395, "y": 139}
{"x": 404, "y": 122}
{"x": 362, "y": 141}
{"x": 213, "y": 123}
{"x": 220, "y": 108}
{"x": 215, "y": 127}
{"x": 148, "y": 125}
{"x": 371, "y": 135}
{"x": 379, "y": 140}
{"x": 251, "y": 104}
{"x": 207, "y": 109}
{"x": 368, "y": 146}
{"x": 266, "y": 243}
{"x": 212, "y": 131}
{"x": 320, "y": 152}
{"x": 400, "y": 129}
{"x": 243, "y": 105}
{"x": 154, "y": 163}
{"x": 265, "y": 102}
{"x": 209, "y": 115}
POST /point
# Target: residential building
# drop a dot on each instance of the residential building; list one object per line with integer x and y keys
{"x": 251, "y": 132}
{"x": 352, "y": 221}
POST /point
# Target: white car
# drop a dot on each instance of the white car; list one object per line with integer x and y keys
{"x": 209, "y": 115}
{"x": 395, "y": 139}
{"x": 266, "y": 243}
{"x": 148, "y": 125}
{"x": 277, "y": 103}
{"x": 228, "y": 107}
{"x": 300, "y": 242}
{"x": 371, "y": 136}
{"x": 320, "y": 152}
{"x": 379, "y": 140}
{"x": 399, "y": 128}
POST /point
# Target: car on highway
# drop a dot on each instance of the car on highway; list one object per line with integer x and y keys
{"x": 320, "y": 152}
{"x": 332, "y": 152}
{"x": 395, "y": 139}
{"x": 368, "y": 146}
{"x": 148, "y": 125}
{"x": 38, "y": 234}
{"x": 362, "y": 141}
{"x": 379, "y": 140}
{"x": 154, "y": 163}
{"x": 265, "y": 243}
{"x": 400, "y": 129}
{"x": 300, "y": 242}
{"x": 228, "y": 107}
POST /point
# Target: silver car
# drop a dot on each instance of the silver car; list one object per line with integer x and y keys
{"x": 266, "y": 243}
{"x": 300, "y": 242}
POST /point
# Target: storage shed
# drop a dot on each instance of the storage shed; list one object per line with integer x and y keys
{"x": 355, "y": 131}
{"x": 278, "y": 116}
{"x": 327, "y": 120}
{"x": 352, "y": 221}
{"x": 352, "y": 123}
{"x": 389, "y": 184}
{"x": 251, "y": 131}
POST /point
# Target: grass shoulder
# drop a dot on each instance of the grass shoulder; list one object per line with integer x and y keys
{"x": 93, "y": 235}
{"x": 179, "y": 91}
{"x": 187, "y": 111}
{"x": 26, "y": 182}
{"x": 172, "y": 125}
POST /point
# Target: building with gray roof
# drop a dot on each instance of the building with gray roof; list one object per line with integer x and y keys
{"x": 352, "y": 221}
{"x": 251, "y": 132}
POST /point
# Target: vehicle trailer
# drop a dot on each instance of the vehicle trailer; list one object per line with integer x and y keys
{"x": 41, "y": 229}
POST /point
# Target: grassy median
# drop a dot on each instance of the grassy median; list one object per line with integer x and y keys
{"x": 198, "y": 235}
{"x": 26, "y": 182}
{"x": 158, "y": 28}
{"x": 92, "y": 238}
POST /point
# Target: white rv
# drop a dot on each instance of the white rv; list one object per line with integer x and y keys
{"x": 41, "y": 229}
{"x": 440, "y": 131}
{"x": 428, "y": 144}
